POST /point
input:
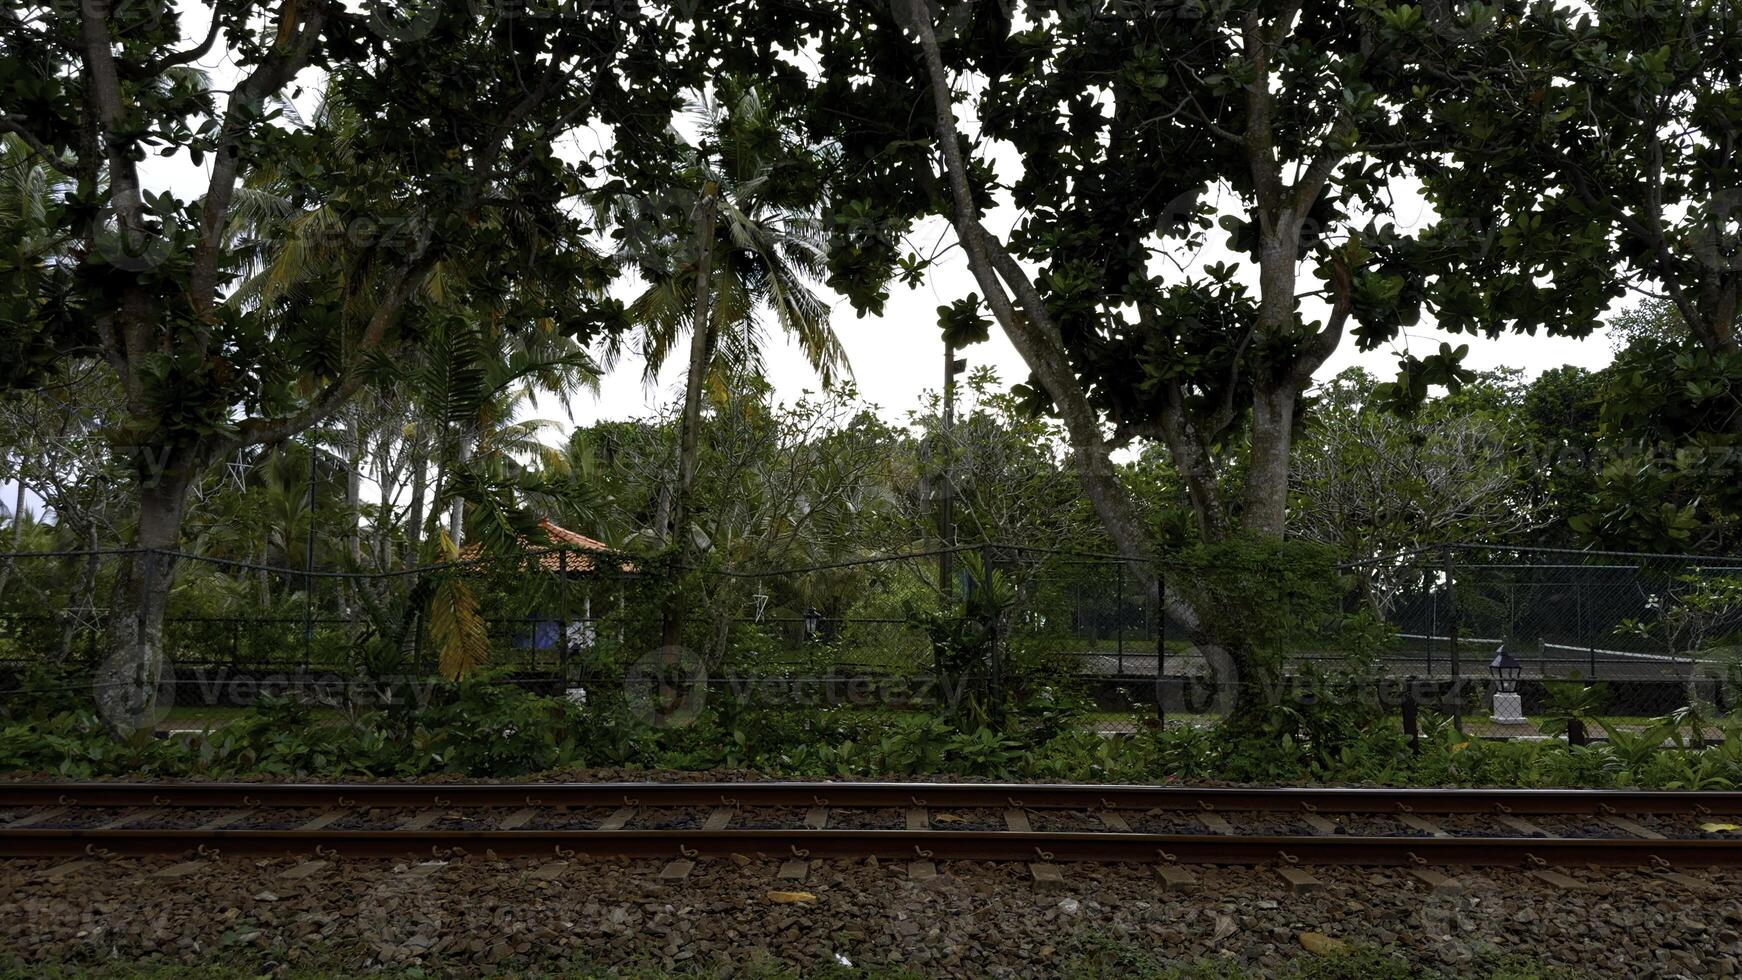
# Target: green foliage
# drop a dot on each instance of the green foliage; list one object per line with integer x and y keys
{"x": 488, "y": 728}
{"x": 962, "y": 636}
{"x": 1570, "y": 701}
{"x": 1260, "y": 595}
{"x": 455, "y": 624}
{"x": 1373, "y": 482}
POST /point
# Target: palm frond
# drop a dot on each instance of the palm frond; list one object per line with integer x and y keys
{"x": 455, "y": 624}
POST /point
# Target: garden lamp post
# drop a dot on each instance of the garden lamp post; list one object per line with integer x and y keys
{"x": 1508, "y": 704}
{"x": 812, "y": 619}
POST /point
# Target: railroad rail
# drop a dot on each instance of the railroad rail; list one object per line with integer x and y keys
{"x": 925, "y": 821}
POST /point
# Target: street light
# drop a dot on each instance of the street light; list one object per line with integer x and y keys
{"x": 1508, "y": 704}
{"x": 812, "y": 619}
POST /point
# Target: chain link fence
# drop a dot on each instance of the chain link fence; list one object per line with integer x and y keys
{"x": 1618, "y": 638}
{"x": 1613, "y": 636}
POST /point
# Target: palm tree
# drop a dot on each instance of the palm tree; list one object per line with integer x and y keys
{"x": 742, "y": 240}
{"x": 480, "y": 358}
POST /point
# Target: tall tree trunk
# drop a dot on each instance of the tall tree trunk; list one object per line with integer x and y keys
{"x": 135, "y": 668}
{"x": 457, "y": 510}
{"x": 701, "y": 343}
{"x": 18, "y": 511}
{"x": 1033, "y": 332}
{"x": 677, "y": 531}
{"x": 414, "y": 513}
{"x": 1266, "y": 510}
{"x": 354, "y": 485}
{"x": 387, "y": 481}
{"x": 82, "y": 597}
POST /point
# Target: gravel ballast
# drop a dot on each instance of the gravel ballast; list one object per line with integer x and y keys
{"x": 474, "y": 914}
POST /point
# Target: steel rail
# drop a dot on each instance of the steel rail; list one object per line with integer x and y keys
{"x": 909, "y": 844}
{"x": 868, "y": 794}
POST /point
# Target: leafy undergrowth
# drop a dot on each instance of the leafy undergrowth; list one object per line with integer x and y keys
{"x": 483, "y": 729}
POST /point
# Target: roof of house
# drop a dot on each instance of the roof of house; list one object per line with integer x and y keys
{"x": 562, "y": 550}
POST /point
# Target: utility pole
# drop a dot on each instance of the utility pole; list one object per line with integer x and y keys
{"x": 947, "y": 493}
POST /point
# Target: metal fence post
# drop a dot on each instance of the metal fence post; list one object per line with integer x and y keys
{"x": 1585, "y": 626}
{"x": 1433, "y": 625}
{"x": 562, "y": 639}
{"x": 148, "y": 579}
{"x": 988, "y": 568}
{"x": 1119, "y": 622}
{"x": 1160, "y": 647}
{"x": 1452, "y": 617}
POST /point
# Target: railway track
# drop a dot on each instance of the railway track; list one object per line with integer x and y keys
{"x": 924, "y": 822}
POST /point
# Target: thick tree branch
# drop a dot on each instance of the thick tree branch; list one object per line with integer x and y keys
{"x": 105, "y": 97}
{"x": 14, "y": 124}
{"x": 1260, "y": 138}
{"x": 152, "y": 69}
{"x": 265, "y": 431}
{"x": 1331, "y": 152}
{"x": 1038, "y": 345}
{"x": 288, "y": 55}
{"x": 1324, "y": 343}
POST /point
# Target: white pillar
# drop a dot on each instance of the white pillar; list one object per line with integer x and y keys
{"x": 1508, "y": 708}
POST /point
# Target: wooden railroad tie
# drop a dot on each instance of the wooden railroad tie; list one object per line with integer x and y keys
{"x": 1522, "y": 825}
{"x": 303, "y": 870}
{"x": 619, "y": 818}
{"x": 1114, "y": 822}
{"x": 518, "y": 819}
{"x": 134, "y": 817}
{"x": 1558, "y": 880}
{"x": 1215, "y": 823}
{"x": 1634, "y": 828}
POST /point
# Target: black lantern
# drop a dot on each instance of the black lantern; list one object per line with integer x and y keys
{"x": 1505, "y": 669}
{"x": 812, "y": 619}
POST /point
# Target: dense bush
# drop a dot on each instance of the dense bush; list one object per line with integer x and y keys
{"x": 490, "y": 729}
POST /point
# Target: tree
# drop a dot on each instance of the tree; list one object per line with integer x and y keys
{"x": 453, "y": 170}
{"x": 1374, "y": 484}
{"x": 1010, "y": 477}
{"x": 1594, "y": 155}
{"x": 1560, "y": 412}
{"x": 1123, "y": 126}
{"x": 1664, "y": 474}
{"x": 1594, "y": 151}
{"x": 734, "y": 238}
{"x": 1298, "y": 114}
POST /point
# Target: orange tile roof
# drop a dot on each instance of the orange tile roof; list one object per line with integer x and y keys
{"x": 563, "y": 550}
